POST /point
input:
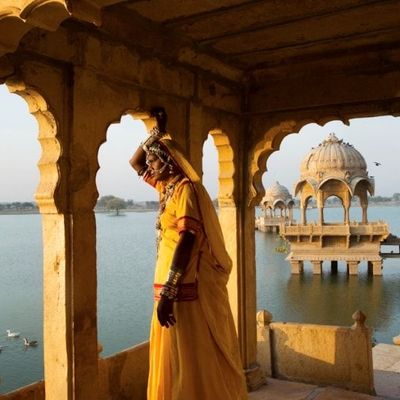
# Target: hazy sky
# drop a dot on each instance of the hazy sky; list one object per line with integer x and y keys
{"x": 376, "y": 138}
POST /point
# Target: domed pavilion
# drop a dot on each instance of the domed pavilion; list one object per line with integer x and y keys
{"x": 277, "y": 206}
{"x": 335, "y": 168}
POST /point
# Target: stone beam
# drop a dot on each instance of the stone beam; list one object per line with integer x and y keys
{"x": 318, "y": 91}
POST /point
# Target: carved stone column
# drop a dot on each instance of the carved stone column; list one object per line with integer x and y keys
{"x": 377, "y": 267}
{"x": 317, "y": 267}
{"x": 352, "y": 267}
{"x": 297, "y": 266}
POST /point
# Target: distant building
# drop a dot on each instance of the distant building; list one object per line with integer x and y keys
{"x": 335, "y": 168}
{"x": 277, "y": 207}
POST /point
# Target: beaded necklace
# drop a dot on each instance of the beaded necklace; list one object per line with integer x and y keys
{"x": 167, "y": 194}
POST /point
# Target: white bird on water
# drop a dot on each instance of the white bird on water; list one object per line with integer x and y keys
{"x": 12, "y": 334}
{"x": 30, "y": 342}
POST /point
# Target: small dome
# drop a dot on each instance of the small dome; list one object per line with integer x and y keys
{"x": 275, "y": 193}
{"x": 333, "y": 158}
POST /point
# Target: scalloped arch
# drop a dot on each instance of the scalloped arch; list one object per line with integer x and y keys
{"x": 270, "y": 142}
{"x": 226, "y": 165}
{"x": 136, "y": 114}
{"x": 17, "y": 17}
{"x": 51, "y": 149}
{"x": 338, "y": 180}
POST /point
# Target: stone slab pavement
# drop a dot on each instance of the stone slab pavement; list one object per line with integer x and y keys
{"x": 386, "y": 361}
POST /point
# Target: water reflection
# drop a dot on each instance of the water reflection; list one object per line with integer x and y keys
{"x": 327, "y": 298}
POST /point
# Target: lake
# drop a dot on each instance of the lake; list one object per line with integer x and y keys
{"x": 126, "y": 254}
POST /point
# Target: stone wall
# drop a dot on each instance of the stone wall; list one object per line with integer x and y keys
{"x": 317, "y": 354}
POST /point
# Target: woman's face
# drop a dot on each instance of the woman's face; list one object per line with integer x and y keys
{"x": 158, "y": 170}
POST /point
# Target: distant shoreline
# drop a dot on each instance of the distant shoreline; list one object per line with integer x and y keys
{"x": 143, "y": 210}
{"x": 32, "y": 212}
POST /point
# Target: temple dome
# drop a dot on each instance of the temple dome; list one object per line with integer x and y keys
{"x": 276, "y": 193}
{"x": 336, "y": 160}
{"x": 333, "y": 157}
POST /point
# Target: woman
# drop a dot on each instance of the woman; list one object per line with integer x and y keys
{"x": 194, "y": 353}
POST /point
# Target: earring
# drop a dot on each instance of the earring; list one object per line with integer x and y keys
{"x": 171, "y": 169}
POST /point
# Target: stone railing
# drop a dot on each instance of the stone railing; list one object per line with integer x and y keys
{"x": 122, "y": 376}
{"x": 317, "y": 354}
{"x": 375, "y": 228}
{"x": 35, "y": 391}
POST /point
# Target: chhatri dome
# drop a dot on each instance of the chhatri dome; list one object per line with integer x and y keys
{"x": 334, "y": 168}
{"x": 334, "y": 159}
{"x": 275, "y": 194}
{"x": 277, "y": 205}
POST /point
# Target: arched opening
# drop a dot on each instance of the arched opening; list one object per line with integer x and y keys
{"x": 333, "y": 210}
{"x": 24, "y": 119}
{"x": 275, "y": 281}
{"x": 125, "y": 243}
{"x": 309, "y": 210}
{"x": 223, "y": 158}
{"x": 210, "y": 167}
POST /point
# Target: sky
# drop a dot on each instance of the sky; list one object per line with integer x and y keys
{"x": 377, "y": 139}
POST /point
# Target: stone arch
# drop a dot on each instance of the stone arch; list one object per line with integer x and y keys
{"x": 342, "y": 206}
{"x": 49, "y": 198}
{"x": 226, "y": 166}
{"x": 48, "y": 164}
{"x": 18, "y": 17}
{"x": 271, "y": 139}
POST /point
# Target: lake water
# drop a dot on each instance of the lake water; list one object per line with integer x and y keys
{"x": 126, "y": 253}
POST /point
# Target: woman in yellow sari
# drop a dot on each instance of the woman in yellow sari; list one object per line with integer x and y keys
{"x": 194, "y": 353}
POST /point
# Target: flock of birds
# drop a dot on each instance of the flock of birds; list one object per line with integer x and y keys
{"x": 15, "y": 335}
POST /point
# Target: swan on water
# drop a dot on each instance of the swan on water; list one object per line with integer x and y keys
{"x": 12, "y": 334}
{"x": 30, "y": 342}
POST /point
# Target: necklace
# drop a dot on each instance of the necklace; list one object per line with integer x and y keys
{"x": 167, "y": 194}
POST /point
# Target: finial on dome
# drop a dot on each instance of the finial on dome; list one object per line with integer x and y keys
{"x": 332, "y": 138}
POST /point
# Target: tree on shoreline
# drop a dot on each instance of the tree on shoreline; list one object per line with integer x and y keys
{"x": 116, "y": 204}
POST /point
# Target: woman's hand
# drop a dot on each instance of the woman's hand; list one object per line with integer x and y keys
{"x": 165, "y": 312}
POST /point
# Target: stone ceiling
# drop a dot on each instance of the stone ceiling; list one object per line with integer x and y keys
{"x": 270, "y": 37}
{"x": 257, "y": 40}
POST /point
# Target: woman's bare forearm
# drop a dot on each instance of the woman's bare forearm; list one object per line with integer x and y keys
{"x": 183, "y": 251}
{"x": 138, "y": 160}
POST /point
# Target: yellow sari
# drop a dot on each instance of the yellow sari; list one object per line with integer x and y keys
{"x": 198, "y": 358}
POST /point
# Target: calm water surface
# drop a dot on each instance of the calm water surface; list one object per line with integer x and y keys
{"x": 126, "y": 253}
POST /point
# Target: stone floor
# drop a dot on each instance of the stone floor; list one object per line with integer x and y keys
{"x": 386, "y": 359}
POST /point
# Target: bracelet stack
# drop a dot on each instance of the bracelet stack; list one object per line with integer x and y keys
{"x": 170, "y": 288}
{"x": 154, "y": 136}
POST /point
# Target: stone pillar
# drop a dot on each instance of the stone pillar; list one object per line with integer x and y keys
{"x": 377, "y": 267}
{"x": 303, "y": 212}
{"x": 69, "y": 230}
{"x": 364, "y": 214}
{"x": 321, "y": 215}
{"x": 264, "y": 318}
{"x": 297, "y": 266}
{"x": 360, "y": 356}
{"x": 237, "y": 222}
{"x": 334, "y": 266}
{"x": 352, "y": 267}
{"x": 317, "y": 267}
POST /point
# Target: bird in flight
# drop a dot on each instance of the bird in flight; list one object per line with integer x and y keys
{"x": 377, "y": 163}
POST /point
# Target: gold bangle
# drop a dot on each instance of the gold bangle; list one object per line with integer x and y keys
{"x": 174, "y": 277}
